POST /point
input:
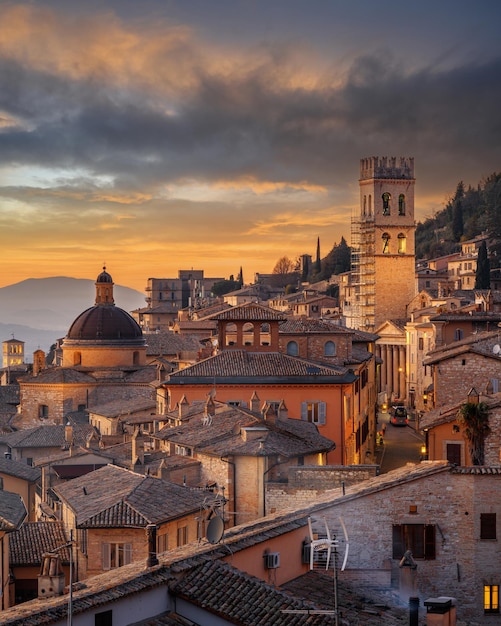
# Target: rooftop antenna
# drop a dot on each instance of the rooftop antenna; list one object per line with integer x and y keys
{"x": 496, "y": 349}
{"x": 329, "y": 544}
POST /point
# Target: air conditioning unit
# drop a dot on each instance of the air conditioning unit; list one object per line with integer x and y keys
{"x": 272, "y": 560}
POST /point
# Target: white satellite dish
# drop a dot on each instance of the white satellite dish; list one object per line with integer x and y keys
{"x": 496, "y": 349}
{"x": 215, "y": 529}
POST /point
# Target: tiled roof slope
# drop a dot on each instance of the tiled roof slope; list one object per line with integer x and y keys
{"x": 238, "y": 364}
{"x": 242, "y": 599}
{"x": 115, "y": 497}
{"x": 482, "y": 343}
{"x": 12, "y": 511}
{"x": 57, "y": 375}
{"x": 19, "y": 469}
{"x": 46, "y": 436}
{"x": 169, "y": 343}
{"x": 123, "y": 406}
{"x": 288, "y": 437}
{"x": 249, "y": 312}
{"x": 303, "y": 326}
{"x": 28, "y": 544}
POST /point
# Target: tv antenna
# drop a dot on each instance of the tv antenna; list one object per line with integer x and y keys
{"x": 329, "y": 544}
{"x": 496, "y": 349}
{"x": 212, "y": 511}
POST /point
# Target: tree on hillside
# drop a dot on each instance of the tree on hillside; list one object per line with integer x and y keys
{"x": 483, "y": 274}
{"x": 473, "y": 417}
{"x": 285, "y": 272}
{"x": 318, "y": 262}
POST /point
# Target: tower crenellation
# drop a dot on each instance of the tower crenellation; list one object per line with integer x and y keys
{"x": 387, "y": 167}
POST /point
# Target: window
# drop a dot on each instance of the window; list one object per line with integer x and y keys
{"x": 458, "y": 334}
{"x": 386, "y": 243}
{"x": 386, "y": 203}
{"x": 313, "y": 412}
{"x": 292, "y": 348}
{"x": 162, "y": 543}
{"x": 43, "y": 411}
{"x": 182, "y": 535}
{"x": 115, "y": 555}
{"x": 105, "y": 618}
{"x": 401, "y": 204}
{"x": 401, "y": 243}
{"x": 421, "y": 343}
{"x": 81, "y": 407}
{"x": 487, "y": 526}
{"x": 491, "y": 598}
{"x": 418, "y": 538}
{"x": 329, "y": 348}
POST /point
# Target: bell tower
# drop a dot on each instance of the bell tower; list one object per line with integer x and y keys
{"x": 383, "y": 230}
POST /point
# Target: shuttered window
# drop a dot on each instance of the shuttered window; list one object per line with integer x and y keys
{"x": 313, "y": 411}
{"x": 418, "y": 538}
{"x": 115, "y": 555}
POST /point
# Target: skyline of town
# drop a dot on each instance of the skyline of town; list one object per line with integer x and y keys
{"x": 182, "y": 135}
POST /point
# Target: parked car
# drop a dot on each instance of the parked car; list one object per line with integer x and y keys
{"x": 398, "y": 416}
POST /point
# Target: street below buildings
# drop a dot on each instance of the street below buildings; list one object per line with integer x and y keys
{"x": 402, "y": 444}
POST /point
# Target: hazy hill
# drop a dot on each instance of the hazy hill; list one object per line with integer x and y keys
{"x": 40, "y": 310}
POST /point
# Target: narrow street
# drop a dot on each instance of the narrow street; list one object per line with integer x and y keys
{"x": 402, "y": 444}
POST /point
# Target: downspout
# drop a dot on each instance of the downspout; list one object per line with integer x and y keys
{"x": 342, "y": 426}
{"x": 234, "y": 486}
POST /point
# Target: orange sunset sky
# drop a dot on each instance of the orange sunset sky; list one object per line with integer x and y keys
{"x": 163, "y": 135}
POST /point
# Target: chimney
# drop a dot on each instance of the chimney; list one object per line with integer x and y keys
{"x": 137, "y": 448}
{"x": 254, "y": 403}
{"x": 151, "y": 534}
{"x": 68, "y": 433}
{"x": 269, "y": 412}
{"x": 51, "y": 577}
{"x": 183, "y": 406}
{"x": 283, "y": 412}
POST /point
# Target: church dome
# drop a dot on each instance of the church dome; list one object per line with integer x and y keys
{"x": 104, "y": 323}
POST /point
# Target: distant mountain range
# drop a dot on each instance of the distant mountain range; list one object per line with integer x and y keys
{"x": 40, "y": 310}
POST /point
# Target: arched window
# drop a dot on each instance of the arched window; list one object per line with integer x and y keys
{"x": 386, "y": 243}
{"x": 248, "y": 334}
{"x": 365, "y": 205}
{"x": 329, "y": 348}
{"x": 264, "y": 334}
{"x": 402, "y": 241}
{"x": 386, "y": 203}
{"x": 135, "y": 358}
{"x": 292, "y": 348}
{"x": 230, "y": 332}
{"x": 401, "y": 204}
{"x": 370, "y": 204}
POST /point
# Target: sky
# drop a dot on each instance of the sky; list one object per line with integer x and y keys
{"x": 161, "y": 135}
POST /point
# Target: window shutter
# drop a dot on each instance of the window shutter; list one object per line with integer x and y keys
{"x": 105, "y": 555}
{"x": 127, "y": 553}
{"x": 429, "y": 541}
{"x": 304, "y": 411}
{"x": 321, "y": 412}
{"x": 398, "y": 543}
{"x": 495, "y": 385}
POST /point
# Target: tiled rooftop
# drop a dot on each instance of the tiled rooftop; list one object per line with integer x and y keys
{"x": 243, "y": 364}
{"x": 28, "y": 544}
{"x": 305, "y": 326}
{"x": 19, "y": 469}
{"x": 115, "y": 497}
{"x": 12, "y": 511}
{"x": 249, "y": 312}
{"x": 169, "y": 343}
{"x": 288, "y": 437}
{"x": 124, "y": 406}
{"x": 47, "y": 436}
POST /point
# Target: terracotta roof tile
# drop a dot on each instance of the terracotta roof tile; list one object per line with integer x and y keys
{"x": 28, "y": 544}
{"x": 249, "y": 312}
{"x": 46, "y": 436}
{"x": 236, "y": 364}
{"x": 19, "y": 469}
{"x": 114, "y": 497}
{"x": 12, "y": 511}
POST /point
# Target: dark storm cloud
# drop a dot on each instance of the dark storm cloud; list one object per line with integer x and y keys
{"x": 250, "y": 123}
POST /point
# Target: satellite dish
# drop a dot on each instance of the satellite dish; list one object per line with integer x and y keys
{"x": 215, "y": 529}
{"x": 496, "y": 349}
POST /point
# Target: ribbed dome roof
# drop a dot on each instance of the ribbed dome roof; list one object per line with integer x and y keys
{"x": 104, "y": 277}
{"x": 105, "y": 323}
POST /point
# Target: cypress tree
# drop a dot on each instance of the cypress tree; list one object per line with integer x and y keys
{"x": 483, "y": 273}
{"x": 318, "y": 264}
